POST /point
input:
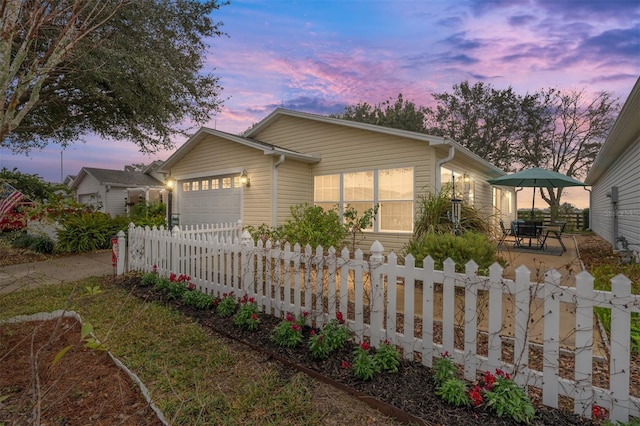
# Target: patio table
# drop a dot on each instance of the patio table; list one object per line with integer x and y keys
{"x": 530, "y": 230}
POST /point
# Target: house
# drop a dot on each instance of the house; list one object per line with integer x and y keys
{"x": 615, "y": 180}
{"x": 115, "y": 191}
{"x": 292, "y": 157}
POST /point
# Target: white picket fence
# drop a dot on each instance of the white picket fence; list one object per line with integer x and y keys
{"x": 366, "y": 290}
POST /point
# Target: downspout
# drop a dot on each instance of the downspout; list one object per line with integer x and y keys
{"x": 274, "y": 192}
{"x": 439, "y": 163}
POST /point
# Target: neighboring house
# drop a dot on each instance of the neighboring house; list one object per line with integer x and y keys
{"x": 292, "y": 158}
{"x": 615, "y": 179}
{"x": 115, "y": 191}
{"x": 68, "y": 180}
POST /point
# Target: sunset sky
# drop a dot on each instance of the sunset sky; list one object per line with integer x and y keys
{"x": 318, "y": 56}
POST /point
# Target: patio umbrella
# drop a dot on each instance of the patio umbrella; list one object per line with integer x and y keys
{"x": 536, "y": 178}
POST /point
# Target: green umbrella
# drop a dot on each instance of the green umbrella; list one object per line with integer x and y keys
{"x": 536, "y": 178}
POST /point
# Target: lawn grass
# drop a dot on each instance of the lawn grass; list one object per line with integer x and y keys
{"x": 193, "y": 377}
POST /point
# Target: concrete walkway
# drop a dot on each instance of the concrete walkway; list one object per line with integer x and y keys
{"x": 55, "y": 271}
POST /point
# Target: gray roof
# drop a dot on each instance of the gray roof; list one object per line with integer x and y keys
{"x": 121, "y": 177}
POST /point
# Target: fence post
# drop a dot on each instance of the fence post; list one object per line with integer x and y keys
{"x": 122, "y": 253}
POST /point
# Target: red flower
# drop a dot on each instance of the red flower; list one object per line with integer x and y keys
{"x": 172, "y": 277}
{"x": 192, "y": 286}
{"x": 346, "y": 365}
{"x": 290, "y": 317}
{"x": 339, "y": 317}
{"x": 254, "y": 317}
{"x": 488, "y": 379}
{"x": 305, "y": 314}
{"x": 445, "y": 354}
{"x": 598, "y": 412}
{"x": 313, "y": 332}
{"x": 252, "y": 300}
{"x": 365, "y": 346}
{"x": 475, "y": 396}
{"x": 296, "y": 327}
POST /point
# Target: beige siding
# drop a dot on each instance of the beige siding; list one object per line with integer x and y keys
{"x": 215, "y": 155}
{"x": 344, "y": 149}
{"x": 295, "y": 186}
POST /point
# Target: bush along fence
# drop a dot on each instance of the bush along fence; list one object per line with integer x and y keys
{"x": 482, "y": 323}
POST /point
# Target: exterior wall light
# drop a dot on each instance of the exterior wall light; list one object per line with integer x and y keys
{"x": 244, "y": 179}
{"x": 169, "y": 184}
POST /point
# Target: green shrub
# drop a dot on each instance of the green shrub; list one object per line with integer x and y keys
{"x": 152, "y": 214}
{"x": 22, "y": 240}
{"x": 197, "y": 299}
{"x": 312, "y": 225}
{"x": 42, "y": 244}
{"x": 162, "y": 285}
{"x": 87, "y": 232}
{"x": 148, "y": 279}
{"x": 460, "y": 249}
{"x": 227, "y": 305}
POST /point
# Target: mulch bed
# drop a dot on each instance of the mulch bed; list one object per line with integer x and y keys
{"x": 412, "y": 390}
{"x": 83, "y": 387}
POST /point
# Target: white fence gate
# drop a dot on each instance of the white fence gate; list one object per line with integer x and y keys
{"x": 366, "y": 291}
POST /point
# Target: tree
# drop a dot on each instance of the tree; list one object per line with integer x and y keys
{"x": 123, "y": 69}
{"x": 400, "y": 114}
{"x": 32, "y": 186}
{"x": 564, "y": 132}
{"x": 551, "y": 129}
{"x": 483, "y": 119}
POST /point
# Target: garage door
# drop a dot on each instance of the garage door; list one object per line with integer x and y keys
{"x": 210, "y": 200}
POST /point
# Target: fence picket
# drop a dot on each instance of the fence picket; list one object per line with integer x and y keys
{"x": 494, "y": 337}
{"x": 620, "y": 348}
{"x": 427, "y": 311}
{"x": 448, "y": 306}
{"x": 520, "y": 325}
{"x": 320, "y": 277}
{"x": 408, "y": 304}
{"x": 584, "y": 344}
{"x": 392, "y": 303}
{"x": 470, "y": 321}
{"x": 376, "y": 304}
{"x": 220, "y": 261}
{"x": 551, "y": 364}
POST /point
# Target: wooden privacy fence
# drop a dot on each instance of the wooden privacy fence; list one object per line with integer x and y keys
{"x": 400, "y": 302}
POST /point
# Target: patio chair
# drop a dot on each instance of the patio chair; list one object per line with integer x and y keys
{"x": 506, "y": 233}
{"x": 555, "y": 231}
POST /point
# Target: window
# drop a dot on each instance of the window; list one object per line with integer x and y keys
{"x": 195, "y": 186}
{"x": 226, "y": 183}
{"x": 205, "y": 185}
{"x": 392, "y": 190}
{"x": 215, "y": 183}
{"x": 395, "y": 195}
{"x": 327, "y": 191}
{"x": 236, "y": 181}
{"x": 462, "y": 183}
{"x": 186, "y": 186}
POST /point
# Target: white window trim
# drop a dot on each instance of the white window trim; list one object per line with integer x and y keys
{"x": 376, "y": 201}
